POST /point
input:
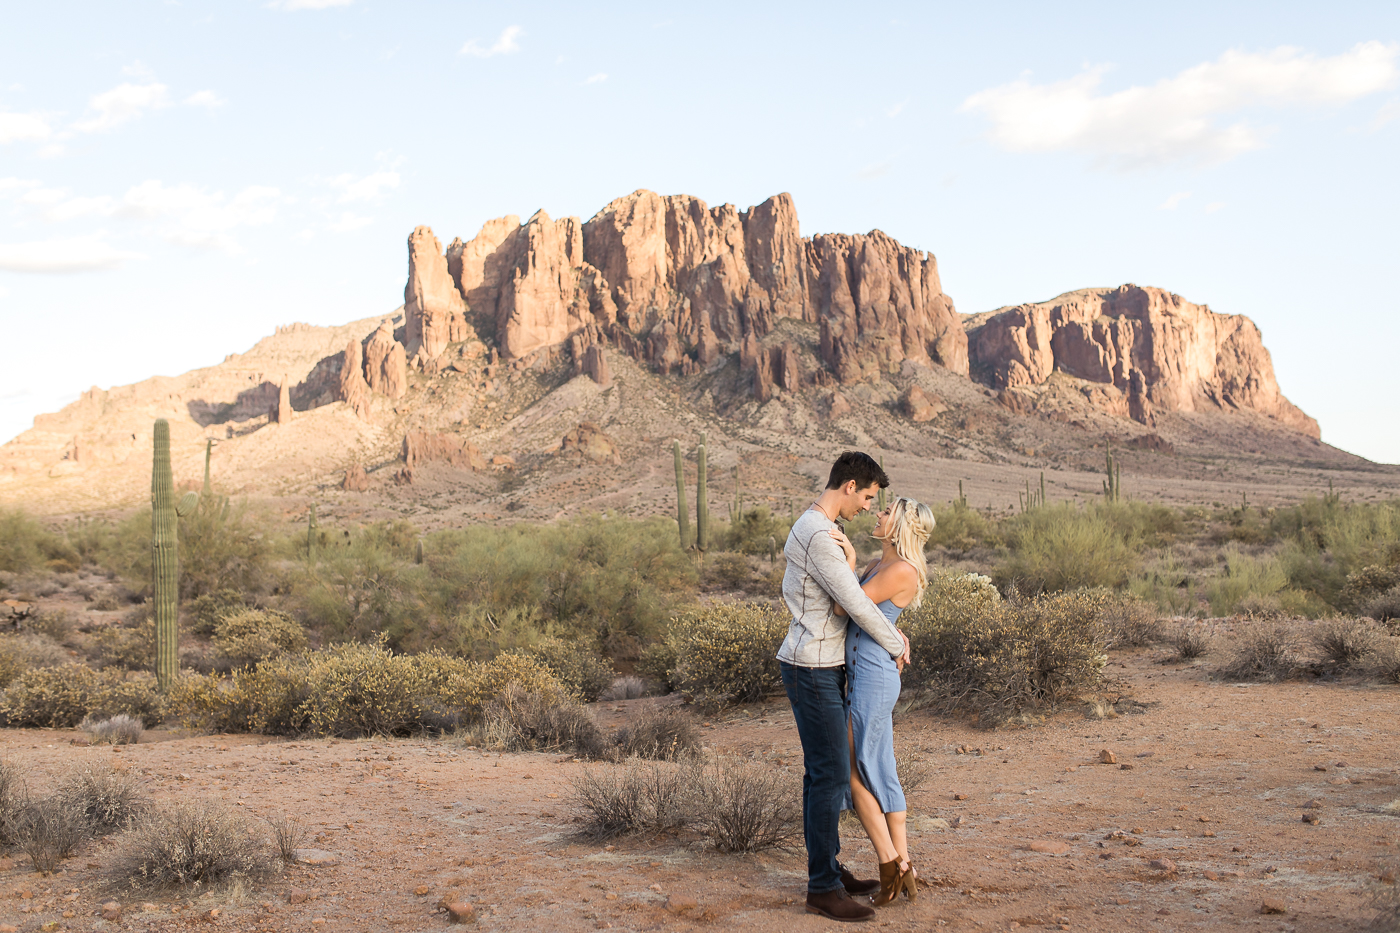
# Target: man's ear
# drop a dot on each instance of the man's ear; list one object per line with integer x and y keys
{"x": 850, "y": 487}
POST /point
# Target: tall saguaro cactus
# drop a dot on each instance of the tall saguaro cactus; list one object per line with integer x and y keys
{"x": 165, "y": 555}
{"x": 702, "y": 502}
{"x": 1111, "y": 491}
{"x": 682, "y": 512}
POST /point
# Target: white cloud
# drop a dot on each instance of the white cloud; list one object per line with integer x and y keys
{"x": 366, "y": 188}
{"x": 22, "y": 126}
{"x": 194, "y": 217}
{"x": 349, "y": 222}
{"x": 12, "y": 185}
{"x": 122, "y": 103}
{"x": 59, "y": 204}
{"x": 1178, "y": 119}
{"x": 291, "y": 5}
{"x": 205, "y": 99}
{"x": 1390, "y": 111}
{"x": 505, "y": 44}
{"x": 599, "y": 78}
{"x": 1214, "y": 206}
{"x": 875, "y": 170}
{"x": 73, "y": 254}
{"x": 1170, "y": 204}
{"x": 896, "y": 110}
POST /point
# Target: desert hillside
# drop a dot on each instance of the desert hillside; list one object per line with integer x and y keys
{"x": 543, "y": 368}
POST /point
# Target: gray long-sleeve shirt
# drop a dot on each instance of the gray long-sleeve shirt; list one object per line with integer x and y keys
{"x": 817, "y": 580}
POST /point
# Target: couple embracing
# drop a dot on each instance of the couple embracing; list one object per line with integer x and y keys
{"x": 841, "y": 664}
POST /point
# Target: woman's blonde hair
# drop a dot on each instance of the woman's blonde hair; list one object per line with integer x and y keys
{"x": 910, "y": 524}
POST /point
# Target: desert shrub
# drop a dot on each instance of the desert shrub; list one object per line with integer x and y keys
{"x": 192, "y": 844}
{"x": 131, "y": 645}
{"x": 913, "y": 770}
{"x": 629, "y": 798}
{"x": 480, "y": 632}
{"x": 1384, "y": 607}
{"x": 25, "y": 545}
{"x": 747, "y": 807}
{"x": 960, "y": 528}
{"x": 1243, "y": 577}
{"x": 118, "y": 730}
{"x": 48, "y": 831}
{"x": 1061, "y": 547}
{"x": 55, "y": 625}
{"x": 14, "y": 796}
{"x": 628, "y": 687}
{"x": 12, "y": 663}
{"x": 730, "y": 570}
{"x": 1265, "y": 608}
{"x": 1132, "y": 623}
{"x": 1385, "y": 662}
{"x": 1266, "y": 651}
{"x": 1346, "y": 644}
{"x": 206, "y": 610}
{"x": 577, "y": 666}
{"x": 1327, "y": 540}
{"x": 1365, "y": 584}
{"x": 749, "y": 532}
{"x": 664, "y": 733}
{"x": 483, "y": 682}
{"x": 107, "y": 799}
{"x": 34, "y": 650}
{"x": 220, "y": 549}
{"x": 134, "y": 694}
{"x": 727, "y": 652}
{"x": 1191, "y": 642}
{"x": 49, "y": 697}
{"x": 656, "y": 662}
{"x": 1001, "y": 657}
{"x": 288, "y": 833}
{"x": 248, "y": 636}
{"x": 368, "y": 588}
{"x": 357, "y": 690}
{"x": 612, "y": 577}
{"x": 268, "y": 699}
{"x": 546, "y": 722}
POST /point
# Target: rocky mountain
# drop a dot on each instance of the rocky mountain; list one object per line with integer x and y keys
{"x": 566, "y": 354}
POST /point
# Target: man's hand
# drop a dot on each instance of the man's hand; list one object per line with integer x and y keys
{"x": 904, "y": 659}
{"x": 850, "y": 549}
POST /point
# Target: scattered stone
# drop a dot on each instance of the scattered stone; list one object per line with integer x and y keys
{"x": 460, "y": 912}
{"x": 421, "y": 890}
{"x": 1387, "y": 876}
{"x": 1338, "y": 781}
{"x": 1125, "y": 767}
{"x": 589, "y": 440}
{"x": 1341, "y": 764}
{"x": 1314, "y": 804}
{"x": 960, "y": 796}
{"x": 111, "y": 911}
{"x": 937, "y": 822}
{"x": 1319, "y": 767}
{"x": 1107, "y": 757}
{"x": 1273, "y": 907}
{"x": 1203, "y": 819}
{"x": 680, "y": 903}
{"x": 1209, "y": 834}
{"x": 297, "y": 896}
{"x": 955, "y": 822}
{"x": 1163, "y": 912}
{"x": 1210, "y": 876}
{"x": 1162, "y": 864}
{"x": 316, "y": 858}
{"x": 1049, "y": 847}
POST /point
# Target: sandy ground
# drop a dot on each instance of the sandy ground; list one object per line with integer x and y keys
{"x": 1210, "y": 775}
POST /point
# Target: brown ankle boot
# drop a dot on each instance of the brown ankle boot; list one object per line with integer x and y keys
{"x": 837, "y": 905}
{"x": 854, "y": 886}
{"x": 889, "y": 882}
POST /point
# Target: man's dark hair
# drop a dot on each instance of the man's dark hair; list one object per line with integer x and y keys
{"x": 861, "y": 467}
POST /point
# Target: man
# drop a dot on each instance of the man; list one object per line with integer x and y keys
{"x": 813, "y": 658}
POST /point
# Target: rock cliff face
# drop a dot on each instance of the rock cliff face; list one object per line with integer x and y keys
{"x": 1157, "y": 352}
{"x": 434, "y": 313}
{"x": 675, "y": 283}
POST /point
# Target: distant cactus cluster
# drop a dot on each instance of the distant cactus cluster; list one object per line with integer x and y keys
{"x": 702, "y": 501}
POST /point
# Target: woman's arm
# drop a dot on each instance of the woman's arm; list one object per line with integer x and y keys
{"x": 837, "y": 607}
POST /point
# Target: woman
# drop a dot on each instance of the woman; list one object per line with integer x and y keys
{"x": 894, "y": 582}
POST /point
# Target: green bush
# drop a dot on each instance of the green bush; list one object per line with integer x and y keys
{"x": 61, "y": 697}
{"x": 728, "y": 652}
{"x": 1061, "y": 547}
{"x": 1245, "y": 576}
{"x": 25, "y": 545}
{"x": 130, "y": 645}
{"x": 1002, "y": 658}
{"x": 730, "y": 570}
{"x": 205, "y": 611}
{"x": 577, "y": 666}
{"x": 959, "y": 528}
{"x": 248, "y": 636}
{"x": 750, "y": 531}
{"x": 19, "y": 653}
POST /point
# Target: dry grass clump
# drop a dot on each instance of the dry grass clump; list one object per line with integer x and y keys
{"x": 108, "y": 800}
{"x": 746, "y": 807}
{"x": 1267, "y": 651}
{"x": 520, "y": 721}
{"x": 1347, "y": 644}
{"x": 14, "y": 794}
{"x": 118, "y": 730}
{"x": 1191, "y": 642}
{"x": 48, "y": 830}
{"x": 727, "y": 653}
{"x": 662, "y": 733}
{"x": 1383, "y": 607}
{"x": 198, "y": 843}
{"x": 1385, "y": 662}
{"x": 913, "y": 769}
{"x": 288, "y": 833}
{"x": 633, "y": 797}
{"x": 627, "y": 687}
{"x": 1133, "y": 623}
{"x": 60, "y": 697}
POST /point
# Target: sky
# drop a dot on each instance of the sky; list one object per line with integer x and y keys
{"x": 179, "y": 178}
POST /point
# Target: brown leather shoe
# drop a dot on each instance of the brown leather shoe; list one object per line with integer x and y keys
{"x": 854, "y": 886}
{"x": 837, "y": 905}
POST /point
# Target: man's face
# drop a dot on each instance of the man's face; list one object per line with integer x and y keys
{"x": 857, "y": 500}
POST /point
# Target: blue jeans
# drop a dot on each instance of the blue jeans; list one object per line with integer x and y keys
{"x": 819, "y": 706}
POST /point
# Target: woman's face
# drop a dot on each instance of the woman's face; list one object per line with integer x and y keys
{"x": 882, "y": 521}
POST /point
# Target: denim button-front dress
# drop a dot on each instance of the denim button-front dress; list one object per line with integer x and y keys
{"x": 872, "y": 688}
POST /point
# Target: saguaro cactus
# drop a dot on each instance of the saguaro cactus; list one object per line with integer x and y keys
{"x": 165, "y": 555}
{"x": 311, "y": 534}
{"x": 208, "y": 453}
{"x": 682, "y": 512}
{"x": 1111, "y": 491}
{"x": 702, "y": 502}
